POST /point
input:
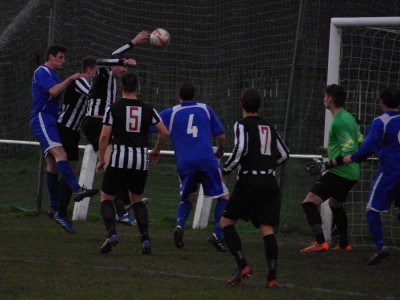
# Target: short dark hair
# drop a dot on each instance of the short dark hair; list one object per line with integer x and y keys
{"x": 390, "y": 97}
{"x": 53, "y": 50}
{"x": 250, "y": 100}
{"x": 338, "y": 94}
{"x": 187, "y": 91}
{"x": 129, "y": 82}
{"x": 88, "y": 62}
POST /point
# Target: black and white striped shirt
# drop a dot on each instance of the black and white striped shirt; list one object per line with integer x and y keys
{"x": 258, "y": 148}
{"x": 130, "y": 121}
{"x": 74, "y": 105}
{"x": 103, "y": 91}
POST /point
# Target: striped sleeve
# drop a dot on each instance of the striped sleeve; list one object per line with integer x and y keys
{"x": 106, "y": 62}
{"x": 123, "y": 49}
{"x": 82, "y": 86}
{"x": 238, "y": 150}
{"x": 282, "y": 149}
{"x": 107, "y": 119}
{"x": 156, "y": 118}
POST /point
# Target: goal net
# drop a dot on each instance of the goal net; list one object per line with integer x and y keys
{"x": 364, "y": 57}
{"x": 221, "y": 47}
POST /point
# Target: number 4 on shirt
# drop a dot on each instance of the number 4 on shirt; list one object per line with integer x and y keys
{"x": 190, "y": 128}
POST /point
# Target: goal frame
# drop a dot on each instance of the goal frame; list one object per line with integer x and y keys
{"x": 334, "y": 56}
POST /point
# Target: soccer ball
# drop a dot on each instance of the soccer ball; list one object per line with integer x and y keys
{"x": 159, "y": 38}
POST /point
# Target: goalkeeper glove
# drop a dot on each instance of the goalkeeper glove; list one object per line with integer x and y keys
{"x": 317, "y": 166}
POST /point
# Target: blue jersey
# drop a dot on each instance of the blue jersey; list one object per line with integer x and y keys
{"x": 43, "y": 79}
{"x": 383, "y": 140}
{"x": 191, "y": 126}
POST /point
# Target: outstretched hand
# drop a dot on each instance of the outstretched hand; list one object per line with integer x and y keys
{"x": 140, "y": 38}
{"x": 100, "y": 167}
{"x": 316, "y": 166}
{"x": 154, "y": 156}
{"x": 130, "y": 62}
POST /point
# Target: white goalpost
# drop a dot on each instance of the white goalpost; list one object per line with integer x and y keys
{"x": 363, "y": 57}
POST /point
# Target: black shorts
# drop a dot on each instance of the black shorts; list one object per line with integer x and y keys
{"x": 91, "y": 127}
{"x": 255, "y": 198}
{"x": 70, "y": 141}
{"x": 115, "y": 179}
{"x": 331, "y": 185}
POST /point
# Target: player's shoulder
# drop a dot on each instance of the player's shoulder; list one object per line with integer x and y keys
{"x": 166, "y": 111}
{"x": 82, "y": 81}
{"x": 42, "y": 70}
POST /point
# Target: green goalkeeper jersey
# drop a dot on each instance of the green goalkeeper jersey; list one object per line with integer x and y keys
{"x": 344, "y": 139}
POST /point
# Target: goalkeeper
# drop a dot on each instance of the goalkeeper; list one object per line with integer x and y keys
{"x": 335, "y": 184}
{"x": 382, "y": 140}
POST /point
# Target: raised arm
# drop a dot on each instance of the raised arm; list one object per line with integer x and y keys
{"x": 57, "y": 89}
{"x": 139, "y": 39}
{"x": 109, "y": 62}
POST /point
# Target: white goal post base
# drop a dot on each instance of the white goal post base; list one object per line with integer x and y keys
{"x": 326, "y": 216}
{"x": 202, "y": 212}
{"x": 86, "y": 177}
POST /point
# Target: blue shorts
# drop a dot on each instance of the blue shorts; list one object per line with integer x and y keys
{"x": 210, "y": 180}
{"x": 383, "y": 192}
{"x": 44, "y": 128}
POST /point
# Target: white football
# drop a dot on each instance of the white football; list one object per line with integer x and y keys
{"x": 159, "y": 38}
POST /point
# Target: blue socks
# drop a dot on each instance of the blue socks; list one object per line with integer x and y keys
{"x": 375, "y": 228}
{"x": 52, "y": 186}
{"x": 184, "y": 209}
{"x": 66, "y": 172}
{"x": 219, "y": 209}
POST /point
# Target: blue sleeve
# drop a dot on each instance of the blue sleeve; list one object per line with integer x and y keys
{"x": 371, "y": 142}
{"x": 44, "y": 80}
{"x": 216, "y": 126}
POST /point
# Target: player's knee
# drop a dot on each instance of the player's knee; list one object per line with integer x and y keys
{"x": 373, "y": 217}
{"x": 311, "y": 211}
{"x": 225, "y": 222}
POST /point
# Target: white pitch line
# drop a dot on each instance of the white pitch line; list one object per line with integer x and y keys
{"x": 181, "y": 275}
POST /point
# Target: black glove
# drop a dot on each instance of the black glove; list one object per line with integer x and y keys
{"x": 317, "y": 166}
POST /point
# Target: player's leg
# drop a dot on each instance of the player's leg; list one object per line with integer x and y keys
{"x": 188, "y": 187}
{"x": 338, "y": 197}
{"x": 383, "y": 192}
{"x": 122, "y": 200}
{"x": 52, "y": 185}
{"x": 267, "y": 216}
{"x": 136, "y": 184}
{"x": 214, "y": 187}
{"x": 321, "y": 190}
{"x": 66, "y": 172}
{"x": 271, "y": 253}
{"x": 341, "y": 223}
{"x": 310, "y": 208}
{"x": 65, "y": 193}
{"x": 111, "y": 181}
{"x": 41, "y": 134}
{"x": 236, "y": 209}
{"x": 217, "y": 238}
{"x": 234, "y": 244}
{"x": 70, "y": 140}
